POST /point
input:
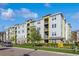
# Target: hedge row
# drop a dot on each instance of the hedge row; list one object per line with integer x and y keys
{"x": 48, "y": 45}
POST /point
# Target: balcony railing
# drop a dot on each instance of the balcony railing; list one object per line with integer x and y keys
{"x": 28, "y": 31}
{"x": 28, "y": 24}
{"x": 45, "y": 22}
{"x": 46, "y": 36}
{"x": 45, "y": 29}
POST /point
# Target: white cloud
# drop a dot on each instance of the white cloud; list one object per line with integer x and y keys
{"x": 47, "y": 5}
{"x": 7, "y": 14}
{"x": 10, "y": 14}
{"x": 26, "y": 13}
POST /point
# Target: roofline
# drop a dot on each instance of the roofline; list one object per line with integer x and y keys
{"x": 53, "y": 14}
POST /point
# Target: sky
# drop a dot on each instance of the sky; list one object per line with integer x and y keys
{"x": 17, "y": 13}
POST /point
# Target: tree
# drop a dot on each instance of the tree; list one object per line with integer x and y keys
{"x": 34, "y": 36}
{"x": 13, "y": 39}
{"x": 38, "y": 37}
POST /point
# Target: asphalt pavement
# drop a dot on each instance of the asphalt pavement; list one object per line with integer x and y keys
{"x": 13, "y": 51}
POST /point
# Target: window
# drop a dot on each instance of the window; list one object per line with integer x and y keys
{"x": 38, "y": 28}
{"x": 15, "y": 31}
{"x": 22, "y": 31}
{"x": 54, "y": 18}
{"x": 15, "y": 28}
{"x": 23, "y": 26}
{"x": 18, "y": 27}
{"x": 38, "y": 23}
{"x": 18, "y": 31}
{"x": 53, "y": 25}
{"x": 54, "y": 34}
{"x": 28, "y": 24}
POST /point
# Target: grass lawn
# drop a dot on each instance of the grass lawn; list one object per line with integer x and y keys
{"x": 48, "y": 49}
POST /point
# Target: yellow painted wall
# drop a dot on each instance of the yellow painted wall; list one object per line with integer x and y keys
{"x": 63, "y": 28}
{"x": 48, "y": 24}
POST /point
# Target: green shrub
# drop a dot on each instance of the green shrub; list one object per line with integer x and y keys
{"x": 40, "y": 44}
{"x": 68, "y": 45}
{"x": 51, "y": 44}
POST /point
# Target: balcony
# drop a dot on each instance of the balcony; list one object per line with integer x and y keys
{"x": 28, "y": 24}
{"x": 28, "y": 28}
{"x": 28, "y": 31}
{"x": 28, "y": 34}
{"x": 46, "y": 37}
{"x": 46, "y": 25}
{"x": 46, "y": 20}
{"x": 45, "y": 29}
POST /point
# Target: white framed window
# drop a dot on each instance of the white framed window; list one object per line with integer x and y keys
{"x": 53, "y": 25}
{"x": 22, "y": 31}
{"x": 53, "y": 18}
{"x": 18, "y": 31}
{"x": 38, "y": 22}
{"x": 53, "y": 33}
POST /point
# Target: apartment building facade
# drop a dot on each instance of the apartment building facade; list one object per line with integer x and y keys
{"x": 52, "y": 28}
{"x": 68, "y": 31}
{"x": 11, "y": 34}
{"x": 55, "y": 27}
{"x": 21, "y": 34}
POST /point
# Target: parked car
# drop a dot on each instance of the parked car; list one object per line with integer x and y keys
{"x": 7, "y": 44}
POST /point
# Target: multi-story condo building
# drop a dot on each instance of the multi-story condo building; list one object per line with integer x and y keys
{"x": 11, "y": 34}
{"x": 68, "y": 31}
{"x": 52, "y": 27}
